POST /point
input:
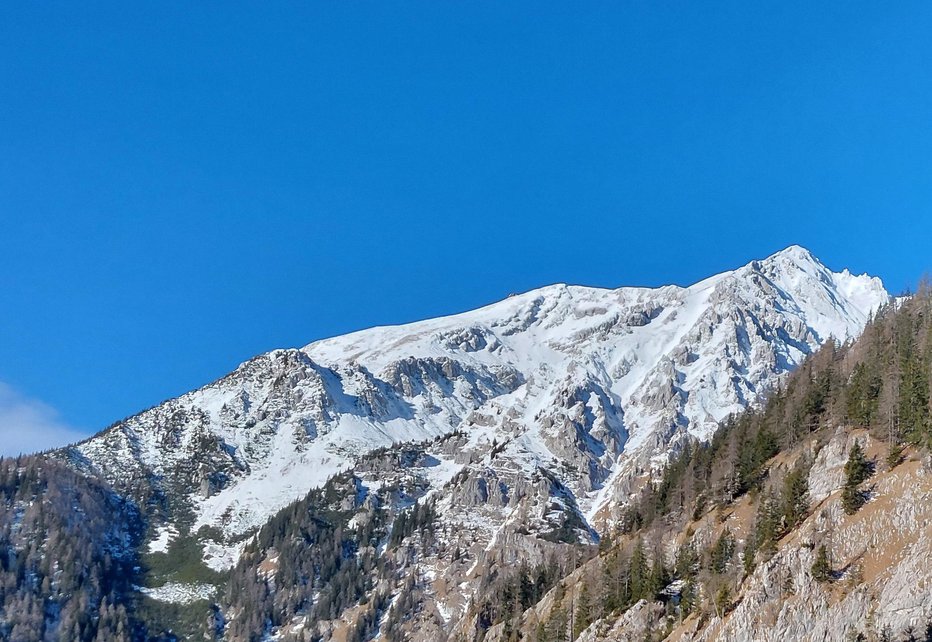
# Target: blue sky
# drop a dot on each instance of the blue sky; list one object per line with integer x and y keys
{"x": 184, "y": 185}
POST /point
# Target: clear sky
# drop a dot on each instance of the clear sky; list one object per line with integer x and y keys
{"x": 184, "y": 185}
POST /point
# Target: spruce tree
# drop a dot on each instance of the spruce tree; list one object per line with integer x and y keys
{"x": 583, "y": 611}
{"x": 821, "y": 569}
{"x": 722, "y": 552}
{"x": 689, "y": 598}
{"x": 766, "y": 527}
{"x": 638, "y": 573}
{"x": 863, "y": 395}
{"x": 857, "y": 469}
{"x": 795, "y": 496}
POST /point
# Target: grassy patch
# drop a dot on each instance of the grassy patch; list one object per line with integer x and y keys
{"x": 182, "y": 562}
{"x": 162, "y": 619}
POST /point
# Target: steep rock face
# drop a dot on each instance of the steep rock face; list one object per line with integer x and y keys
{"x": 878, "y": 580}
{"x": 561, "y": 399}
{"x": 880, "y": 556}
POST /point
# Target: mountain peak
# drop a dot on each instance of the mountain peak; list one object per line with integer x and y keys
{"x": 588, "y": 384}
{"x": 794, "y": 258}
{"x": 795, "y": 252}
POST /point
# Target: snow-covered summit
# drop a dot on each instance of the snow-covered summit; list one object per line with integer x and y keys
{"x": 586, "y": 383}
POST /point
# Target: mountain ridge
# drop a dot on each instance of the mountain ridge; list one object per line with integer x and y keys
{"x": 624, "y": 367}
{"x": 397, "y": 476}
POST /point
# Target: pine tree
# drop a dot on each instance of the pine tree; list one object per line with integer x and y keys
{"x": 658, "y": 578}
{"x": 795, "y": 496}
{"x": 863, "y": 395}
{"x": 723, "y": 600}
{"x": 638, "y": 573}
{"x": 583, "y": 611}
{"x": 766, "y": 526}
{"x": 687, "y": 562}
{"x": 689, "y": 598}
{"x": 747, "y": 556}
{"x": 558, "y": 625}
{"x": 857, "y": 469}
{"x": 821, "y": 569}
{"x": 722, "y": 552}
{"x": 894, "y": 455}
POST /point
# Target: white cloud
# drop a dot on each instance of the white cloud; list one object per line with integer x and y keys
{"x": 28, "y": 425}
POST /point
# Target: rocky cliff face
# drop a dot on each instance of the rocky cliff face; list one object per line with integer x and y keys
{"x": 805, "y": 519}
{"x": 538, "y": 415}
{"x": 879, "y": 577}
{"x": 879, "y": 556}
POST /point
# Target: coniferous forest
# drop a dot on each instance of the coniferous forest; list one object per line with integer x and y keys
{"x": 67, "y": 556}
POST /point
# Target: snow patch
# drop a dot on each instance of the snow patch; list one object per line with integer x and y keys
{"x": 177, "y": 593}
{"x": 163, "y": 537}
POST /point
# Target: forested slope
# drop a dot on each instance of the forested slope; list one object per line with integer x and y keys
{"x": 821, "y": 493}
{"x": 67, "y": 556}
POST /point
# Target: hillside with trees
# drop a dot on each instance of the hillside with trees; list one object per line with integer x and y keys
{"x": 67, "y": 556}
{"x": 675, "y": 553}
{"x": 771, "y": 511}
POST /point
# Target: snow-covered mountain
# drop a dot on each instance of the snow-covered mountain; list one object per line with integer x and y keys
{"x": 564, "y": 394}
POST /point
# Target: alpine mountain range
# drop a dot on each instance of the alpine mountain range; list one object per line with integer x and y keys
{"x": 522, "y": 432}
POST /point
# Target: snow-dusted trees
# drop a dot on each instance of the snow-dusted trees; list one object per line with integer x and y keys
{"x": 311, "y": 561}
{"x": 67, "y": 555}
